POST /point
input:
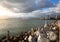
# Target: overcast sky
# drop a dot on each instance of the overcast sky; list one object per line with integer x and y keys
{"x": 28, "y": 8}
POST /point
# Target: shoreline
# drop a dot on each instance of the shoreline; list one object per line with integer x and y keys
{"x": 28, "y": 32}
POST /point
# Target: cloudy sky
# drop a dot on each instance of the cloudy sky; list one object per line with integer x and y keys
{"x": 28, "y": 8}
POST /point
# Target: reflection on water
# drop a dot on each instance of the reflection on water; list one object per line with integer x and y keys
{"x": 17, "y": 25}
{"x": 3, "y": 24}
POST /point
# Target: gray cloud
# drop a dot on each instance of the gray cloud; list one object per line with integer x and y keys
{"x": 30, "y": 9}
{"x": 26, "y": 5}
{"x": 44, "y": 3}
{"x": 52, "y": 12}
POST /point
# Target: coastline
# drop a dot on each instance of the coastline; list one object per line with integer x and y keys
{"x": 28, "y": 32}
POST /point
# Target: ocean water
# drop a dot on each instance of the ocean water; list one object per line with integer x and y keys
{"x": 15, "y": 26}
